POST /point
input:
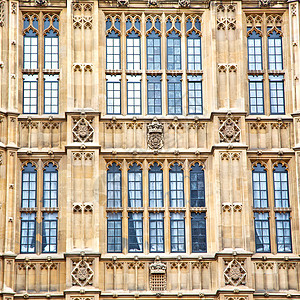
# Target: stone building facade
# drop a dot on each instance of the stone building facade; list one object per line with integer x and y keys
{"x": 149, "y": 149}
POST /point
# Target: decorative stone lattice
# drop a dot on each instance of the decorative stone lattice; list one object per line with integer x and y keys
{"x": 123, "y": 2}
{"x": 184, "y": 3}
{"x": 158, "y": 278}
{"x": 83, "y": 130}
{"x": 229, "y": 130}
{"x": 82, "y": 273}
{"x": 235, "y": 273}
{"x": 155, "y": 135}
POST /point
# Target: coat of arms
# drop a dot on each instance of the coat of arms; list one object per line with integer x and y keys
{"x": 155, "y": 135}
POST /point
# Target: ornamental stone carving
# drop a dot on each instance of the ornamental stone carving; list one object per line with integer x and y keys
{"x": 123, "y": 2}
{"x": 264, "y": 2}
{"x": 184, "y": 3}
{"x": 158, "y": 268}
{"x": 82, "y": 273}
{"x": 229, "y": 130}
{"x": 155, "y": 135}
{"x": 83, "y": 130}
{"x": 235, "y": 273}
{"x": 152, "y": 2}
{"x": 41, "y": 2}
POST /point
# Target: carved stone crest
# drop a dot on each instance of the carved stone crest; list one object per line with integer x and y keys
{"x": 229, "y": 130}
{"x": 152, "y": 2}
{"x": 184, "y": 3}
{"x": 41, "y": 2}
{"x": 123, "y": 2}
{"x": 82, "y": 273}
{"x": 83, "y": 130}
{"x": 155, "y": 135}
{"x": 158, "y": 268}
{"x": 235, "y": 273}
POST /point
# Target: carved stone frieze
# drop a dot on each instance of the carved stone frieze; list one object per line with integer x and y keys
{"x": 226, "y": 23}
{"x": 83, "y": 155}
{"x": 83, "y": 130}
{"x": 82, "y": 273}
{"x": 230, "y": 155}
{"x": 85, "y": 22}
{"x": 155, "y": 135}
{"x": 229, "y": 130}
{"x": 235, "y": 273}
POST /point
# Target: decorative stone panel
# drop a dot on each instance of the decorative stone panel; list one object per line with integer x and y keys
{"x": 229, "y": 130}
{"x": 158, "y": 278}
{"x": 235, "y": 273}
{"x": 82, "y": 273}
{"x": 83, "y": 130}
{"x": 155, "y": 135}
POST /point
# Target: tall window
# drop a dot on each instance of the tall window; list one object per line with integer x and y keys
{"x": 33, "y": 44}
{"x": 195, "y": 95}
{"x": 135, "y": 193}
{"x": 113, "y": 94}
{"x": 156, "y": 186}
{"x": 154, "y": 95}
{"x": 114, "y": 232}
{"x": 156, "y": 234}
{"x": 197, "y": 186}
{"x": 198, "y": 225}
{"x": 153, "y": 28}
{"x": 134, "y": 98}
{"x": 174, "y": 95}
{"x": 193, "y": 44}
{"x": 256, "y": 94}
{"x": 260, "y": 200}
{"x": 46, "y": 240}
{"x": 277, "y": 94}
{"x": 176, "y": 186}
{"x": 133, "y": 43}
{"x": 254, "y": 49}
{"x": 113, "y": 46}
{"x": 275, "y": 49}
{"x": 135, "y": 232}
{"x": 114, "y": 186}
{"x": 281, "y": 198}
{"x": 173, "y": 44}
{"x": 177, "y": 232}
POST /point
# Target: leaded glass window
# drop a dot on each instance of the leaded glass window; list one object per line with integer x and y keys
{"x": 174, "y": 51}
{"x": 193, "y": 45}
{"x": 156, "y": 234}
{"x": 29, "y": 177}
{"x": 177, "y": 224}
{"x": 134, "y": 98}
{"x": 50, "y": 196}
{"x": 156, "y": 186}
{"x": 153, "y": 46}
{"x": 51, "y": 94}
{"x": 260, "y": 192}
{"x": 49, "y": 234}
{"x": 30, "y": 94}
{"x": 275, "y": 50}
{"x": 113, "y": 45}
{"x": 114, "y": 186}
{"x": 135, "y": 232}
{"x": 256, "y": 94}
{"x": 281, "y": 188}
{"x": 195, "y": 95}
{"x": 198, "y": 224}
{"x": 28, "y": 231}
{"x": 277, "y": 94}
{"x": 176, "y": 186}
{"x": 135, "y": 191}
{"x": 262, "y": 232}
{"x": 51, "y": 40}
{"x": 197, "y": 186}
{"x": 113, "y": 94}
{"x": 114, "y": 232}
{"x": 174, "y": 95}
{"x": 254, "y": 50}
{"x": 133, "y": 43}
{"x": 30, "y": 44}
{"x": 154, "y": 95}
{"x": 283, "y": 232}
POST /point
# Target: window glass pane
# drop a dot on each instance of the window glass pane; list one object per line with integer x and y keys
{"x": 156, "y": 232}
{"x": 135, "y": 232}
{"x": 49, "y": 233}
{"x": 27, "y": 244}
{"x": 177, "y": 225}
{"x": 256, "y": 95}
{"x": 176, "y": 186}
{"x": 198, "y": 224}
{"x": 51, "y": 94}
{"x": 135, "y": 186}
{"x": 114, "y": 184}
{"x": 114, "y": 232}
{"x": 156, "y": 186}
{"x": 262, "y": 232}
{"x": 154, "y": 95}
{"x": 283, "y": 232}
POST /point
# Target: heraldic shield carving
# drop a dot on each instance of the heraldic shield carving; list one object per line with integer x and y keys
{"x": 155, "y": 135}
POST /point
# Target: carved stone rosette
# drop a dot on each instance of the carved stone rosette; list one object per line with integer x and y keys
{"x": 155, "y": 135}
